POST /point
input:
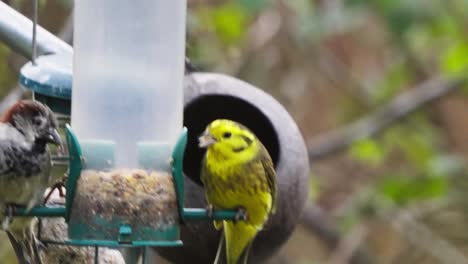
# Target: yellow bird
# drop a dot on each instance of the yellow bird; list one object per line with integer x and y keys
{"x": 237, "y": 173}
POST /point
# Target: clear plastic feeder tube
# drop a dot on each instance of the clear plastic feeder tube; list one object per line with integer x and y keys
{"x": 127, "y": 78}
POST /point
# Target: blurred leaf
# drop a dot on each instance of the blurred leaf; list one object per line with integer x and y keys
{"x": 314, "y": 187}
{"x": 400, "y": 20}
{"x": 417, "y": 149}
{"x": 445, "y": 25}
{"x": 455, "y": 59}
{"x": 403, "y": 189}
{"x": 229, "y": 21}
{"x": 367, "y": 150}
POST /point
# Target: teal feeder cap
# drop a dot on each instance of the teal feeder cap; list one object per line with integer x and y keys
{"x": 125, "y": 230}
{"x": 50, "y": 78}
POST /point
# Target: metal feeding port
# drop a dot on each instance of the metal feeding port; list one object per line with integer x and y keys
{"x": 122, "y": 207}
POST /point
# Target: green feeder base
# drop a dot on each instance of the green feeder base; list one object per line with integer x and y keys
{"x": 114, "y": 244}
{"x": 116, "y": 231}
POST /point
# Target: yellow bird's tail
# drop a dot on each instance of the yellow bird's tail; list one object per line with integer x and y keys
{"x": 238, "y": 238}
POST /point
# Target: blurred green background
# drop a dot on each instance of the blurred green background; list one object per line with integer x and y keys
{"x": 382, "y": 82}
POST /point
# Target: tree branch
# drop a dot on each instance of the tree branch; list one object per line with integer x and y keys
{"x": 420, "y": 236}
{"x": 316, "y": 221}
{"x": 349, "y": 245}
{"x": 395, "y": 110}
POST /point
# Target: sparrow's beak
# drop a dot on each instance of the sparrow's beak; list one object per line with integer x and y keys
{"x": 54, "y": 137}
{"x": 206, "y": 140}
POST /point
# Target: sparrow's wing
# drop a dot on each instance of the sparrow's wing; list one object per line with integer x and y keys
{"x": 9, "y": 158}
{"x": 12, "y": 145}
{"x": 24, "y": 175}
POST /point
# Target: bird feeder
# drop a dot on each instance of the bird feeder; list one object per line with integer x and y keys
{"x": 126, "y": 141}
{"x": 127, "y": 118}
{"x": 127, "y": 114}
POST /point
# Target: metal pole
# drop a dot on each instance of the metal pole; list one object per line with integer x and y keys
{"x": 15, "y": 32}
{"x": 34, "y": 32}
{"x": 96, "y": 255}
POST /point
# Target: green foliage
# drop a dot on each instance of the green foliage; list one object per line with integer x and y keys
{"x": 455, "y": 59}
{"x": 403, "y": 188}
{"x": 217, "y": 32}
{"x": 415, "y": 140}
{"x": 424, "y": 171}
{"x": 444, "y": 26}
{"x": 314, "y": 187}
{"x": 369, "y": 151}
{"x": 417, "y": 146}
{"x": 228, "y": 21}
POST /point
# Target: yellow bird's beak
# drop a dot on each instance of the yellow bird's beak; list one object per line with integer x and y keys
{"x": 206, "y": 140}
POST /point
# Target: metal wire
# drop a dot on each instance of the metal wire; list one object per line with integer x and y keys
{"x": 34, "y": 32}
{"x": 96, "y": 255}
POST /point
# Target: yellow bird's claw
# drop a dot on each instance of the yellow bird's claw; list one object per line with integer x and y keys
{"x": 209, "y": 211}
{"x": 218, "y": 225}
{"x": 241, "y": 215}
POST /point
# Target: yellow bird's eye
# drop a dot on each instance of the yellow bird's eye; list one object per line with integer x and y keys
{"x": 227, "y": 135}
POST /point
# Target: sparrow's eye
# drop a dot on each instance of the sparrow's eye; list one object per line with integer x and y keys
{"x": 227, "y": 135}
{"x": 37, "y": 121}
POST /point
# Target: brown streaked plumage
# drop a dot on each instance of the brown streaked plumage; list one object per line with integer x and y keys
{"x": 25, "y": 130}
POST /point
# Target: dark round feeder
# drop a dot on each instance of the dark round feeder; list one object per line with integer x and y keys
{"x": 210, "y": 96}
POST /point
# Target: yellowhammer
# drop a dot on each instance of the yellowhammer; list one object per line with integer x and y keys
{"x": 238, "y": 173}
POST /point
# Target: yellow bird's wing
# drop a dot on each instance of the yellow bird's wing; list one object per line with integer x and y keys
{"x": 270, "y": 176}
{"x": 203, "y": 174}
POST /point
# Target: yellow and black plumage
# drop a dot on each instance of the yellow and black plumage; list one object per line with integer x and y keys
{"x": 238, "y": 173}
